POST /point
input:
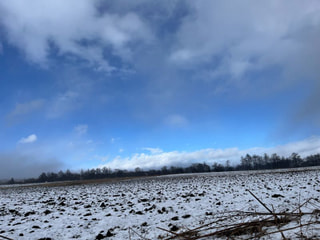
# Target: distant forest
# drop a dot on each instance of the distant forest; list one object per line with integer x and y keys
{"x": 248, "y": 162}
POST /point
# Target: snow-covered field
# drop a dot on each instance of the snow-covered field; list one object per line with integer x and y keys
{"x": 133, "y": 209}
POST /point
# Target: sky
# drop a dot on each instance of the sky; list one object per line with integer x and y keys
{"x": 126, "y": 84}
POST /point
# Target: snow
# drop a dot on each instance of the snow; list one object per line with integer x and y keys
{"x": 135, "y": 208}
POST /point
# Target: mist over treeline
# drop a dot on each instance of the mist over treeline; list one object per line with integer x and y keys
{"x": 247, "y": 162}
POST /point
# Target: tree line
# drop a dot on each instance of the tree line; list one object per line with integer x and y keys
{"x": 247, "y": 162}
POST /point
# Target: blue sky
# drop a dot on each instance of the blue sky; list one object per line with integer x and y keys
{"x": 128, "y": 84}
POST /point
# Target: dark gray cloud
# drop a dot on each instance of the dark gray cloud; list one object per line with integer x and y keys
{"x": 307, "y": 114}
{"x": 25, "y": 165}
{"x": 306, "y": 67}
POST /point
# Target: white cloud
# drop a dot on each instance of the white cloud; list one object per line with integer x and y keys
{"x": 63, "y": 103}
{"x": 81, "y": 129}
{"x": 30, "y": 139}
{"x": 181, "y": 55}
{"x": 304, "y": 148}
{"x": 26, "y": 108}
{"x": 176, "y": 120}
{"x": 157, "y": 159}
{"x": 73, "y": 27}
{"x": 102, "y": 158}
{"x": 249, "y": 35}
{"x": 244, "y": 36}
{"x": 153, "y": 150}
{"x": 238, "y": 68}
{"x": 114, "y": 140}
{"x": 175, "y": 158}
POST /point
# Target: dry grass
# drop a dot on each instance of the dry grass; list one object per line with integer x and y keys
{"x": 257, "y": 225}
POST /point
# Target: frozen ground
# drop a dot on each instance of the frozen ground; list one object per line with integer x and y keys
{"x": 136, "y": 208}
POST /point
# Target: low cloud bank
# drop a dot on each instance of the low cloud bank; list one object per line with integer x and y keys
{"x": 158, "y": 159}
{"x": 23, "y": 165}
